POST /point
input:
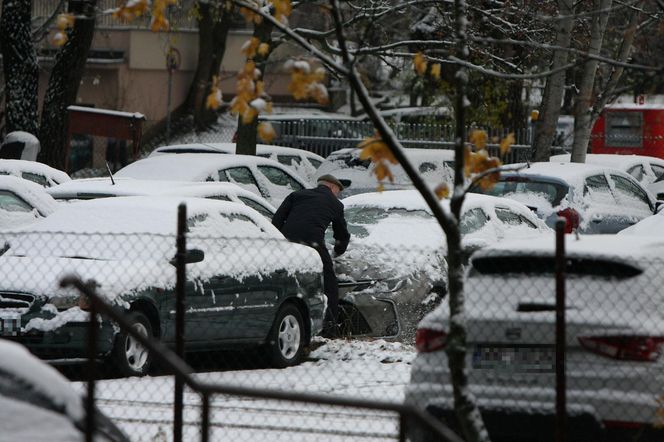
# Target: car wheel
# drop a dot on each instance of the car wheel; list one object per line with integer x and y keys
{"x": 287, "y": 337}
{"x": 130, "y": 357}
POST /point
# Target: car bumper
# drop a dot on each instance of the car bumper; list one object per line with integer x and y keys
{"x": 66, "y": 342}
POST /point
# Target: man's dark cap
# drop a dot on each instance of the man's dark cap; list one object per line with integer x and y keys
{"x": 331, "y": 179}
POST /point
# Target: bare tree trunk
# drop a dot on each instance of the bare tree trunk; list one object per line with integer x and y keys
{"x": 465, "y": 406}
{"x": 545, "y": 127}
{"x": 622, "y": 55}
{"x": 213, "y": 25}
{"x": 63, "y": 84}
{"x": 246, "y": 133}
{"x": 584, "y": 100}
{"x": 20, "y": 67}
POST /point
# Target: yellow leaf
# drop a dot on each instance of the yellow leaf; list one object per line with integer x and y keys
{"x": 249, "y": 115}
{"x": 64, "y": 21}
{"x": 214, "y": 99}
{"x": 59, "y": 38}
{"x": 478, "y": 138}
{"x": 250, "y": 47}
{"x": 435, "y": 71}
{"x": 263, "y": 49}
{"x": 506, "y": 143}
{"x": 534, "y": 115}
{"x": 420, "y": 63}
{"x": 266, "y": 132}
{"x": 442, "y": 191}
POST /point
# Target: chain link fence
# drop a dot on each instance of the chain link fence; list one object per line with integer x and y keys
{"x": 253, "y": 315}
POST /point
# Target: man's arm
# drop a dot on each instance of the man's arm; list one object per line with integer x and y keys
{"x": 341, "y": 234}
{"x": 279, "y": 217}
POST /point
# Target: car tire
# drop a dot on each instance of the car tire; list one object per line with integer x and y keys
{"x": 129, "y": 357}
{"x": 286, "y": 342}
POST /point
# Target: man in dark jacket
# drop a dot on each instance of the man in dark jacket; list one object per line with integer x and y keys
{"x": 304, "y": 216}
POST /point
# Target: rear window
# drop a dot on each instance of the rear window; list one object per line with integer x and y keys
{"x": 546, "y": 265}
{"x": 551, "y": 191}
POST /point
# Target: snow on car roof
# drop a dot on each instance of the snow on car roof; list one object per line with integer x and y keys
{"x": 261, "y": 149}
{"x": 650, "y": 226}
{"x": 134, "y": 187}
{"x": 32, "y": 193}
{"x": 621, "y": 162}
{"x": 16, "y": 167}
{"x": 625, "y": 246}
{"x": 191, "y": 167}
{"x": 140, "y": 214}
{"x": 572, "y": 173}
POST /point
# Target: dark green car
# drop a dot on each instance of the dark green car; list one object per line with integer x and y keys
{"x": 246, "y": 286}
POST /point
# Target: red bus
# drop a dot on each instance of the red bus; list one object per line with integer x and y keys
{"x": 632, "y": 129}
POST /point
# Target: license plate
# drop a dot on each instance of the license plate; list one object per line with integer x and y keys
{"x": 10, "y": 326}
{"x": 515, "y": 358}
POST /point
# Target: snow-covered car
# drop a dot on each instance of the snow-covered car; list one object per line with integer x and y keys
{"x": 39, "y": 173}
{"x": 646, "y": 170}
{"x": 302, "y": 162}
{"x": 92, "y": 188}
{"x": 434, "y": 165}
{"x": 38, "y": 404}
{"x": 614, "y": 338}
{"x": 23, "y": 202}
{"x": 246, "y": 285}
{"x": 593, "y": 199}
{"x": 263, "y": 177}
{"x": 394, "y": 270}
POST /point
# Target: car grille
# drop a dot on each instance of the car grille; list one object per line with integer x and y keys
{"x": 16, "y": 300}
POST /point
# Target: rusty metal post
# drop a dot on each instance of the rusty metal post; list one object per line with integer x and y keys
{"x": 179, "y": 319}
{"x": 561, "y": 399}
{"x": 91, "y": 372}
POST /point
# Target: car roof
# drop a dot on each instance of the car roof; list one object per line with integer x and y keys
{"x": 193, "y": 166}
{"x": 230, "y": 148}
{"x": 571, "y": 173}
{"x": 134, "y": 187}
{"x": 16, "y": 167}
{"x": 619, "y": 246}
{"x": 137, "y": 214}
{"x": 621, "y": 162}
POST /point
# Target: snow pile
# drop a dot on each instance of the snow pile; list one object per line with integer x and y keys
{"x": 362, "y": 350}
{"x": 19, "y": 167}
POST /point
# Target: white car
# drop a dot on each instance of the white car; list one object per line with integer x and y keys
{"x": 645, "y": 169}
{"x": 262, "y": 176}
{"x": 434, "y": 165}
{"x": 39, "y": 173}
{"x": 593, "y": 199}
{"x": 614, "y": 339}
{"x": 23, "y": 202}
{"x": 38, "y": 404}
{"x": 301, "y": 161}
{"x": 394, "y": 270}
{"x": 92, "y": 188}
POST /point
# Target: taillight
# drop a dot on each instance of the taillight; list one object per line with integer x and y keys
{"x": 625, "y": 348}
{"x": 572, "y": 217}
{"x": 427, "y": 340}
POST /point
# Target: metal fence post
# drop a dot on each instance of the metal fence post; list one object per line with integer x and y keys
{"x": 179, "y": 318}
{"x": 561, "y": 399}
{"x": 91, "y": 372}
{"x": 205, "y": 418}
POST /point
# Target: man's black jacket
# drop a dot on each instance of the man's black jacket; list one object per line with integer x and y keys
{"x": 305, "y": 215}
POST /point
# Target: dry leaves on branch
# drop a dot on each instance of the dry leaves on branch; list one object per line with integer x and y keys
{"x": 375, "y": 149}
{"x": 62, "y": 23}
{"x": 266, "y": 132}
{"x": 307, "y": 83}
{"x": 214, "y": 99}
{"x": 477, "y": 159}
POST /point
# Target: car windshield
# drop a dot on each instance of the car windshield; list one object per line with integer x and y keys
{"x": 509, "y": 186}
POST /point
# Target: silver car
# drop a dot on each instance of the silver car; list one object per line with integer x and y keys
{"x": 615, "y": 335}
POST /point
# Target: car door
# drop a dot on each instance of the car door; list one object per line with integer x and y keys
{"x": 281, "y": 183}
{"x": 243, "y": 177}
{"x": 600, "y": 213}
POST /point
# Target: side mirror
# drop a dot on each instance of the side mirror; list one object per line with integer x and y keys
{"x": 191, "y": 256}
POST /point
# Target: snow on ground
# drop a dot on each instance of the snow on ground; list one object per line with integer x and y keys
{"x": 375, "y": 369}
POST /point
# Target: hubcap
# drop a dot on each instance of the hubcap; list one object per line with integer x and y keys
{"x": 289, "y": 337}
{"x": 135, "y": 352}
